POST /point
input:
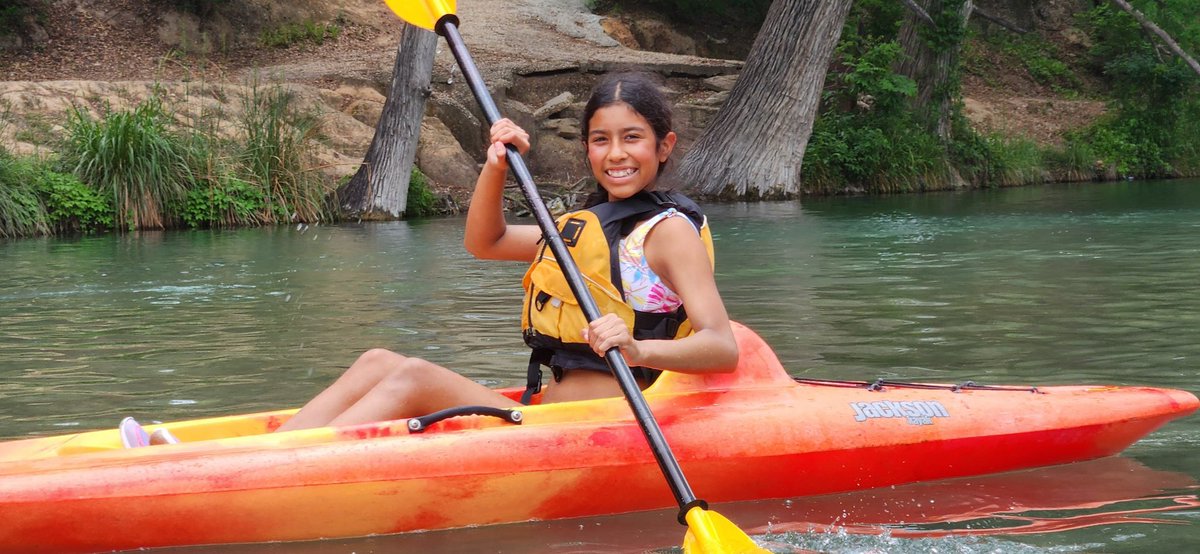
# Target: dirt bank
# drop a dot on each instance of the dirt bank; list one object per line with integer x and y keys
{"x": 531, "y": 51}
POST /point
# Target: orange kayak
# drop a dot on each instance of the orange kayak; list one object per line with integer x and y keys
{"x": 753, "y": 434}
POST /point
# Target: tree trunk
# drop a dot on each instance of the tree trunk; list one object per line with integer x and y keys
{"x": 379, "y": 190}
{"x": 1162, "y": 35}
{"x": 931, "y": 60}
{"x": 756, "y": 142}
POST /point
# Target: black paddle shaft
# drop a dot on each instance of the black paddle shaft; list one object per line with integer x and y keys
{"x": 448, "y": 28}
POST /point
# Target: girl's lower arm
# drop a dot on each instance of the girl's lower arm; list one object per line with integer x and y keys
{"x": 707, "y": 351}
{"x": 485, "y": 216}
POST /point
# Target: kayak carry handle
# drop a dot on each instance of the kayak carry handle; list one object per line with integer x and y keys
{"x": 419, "y": 424}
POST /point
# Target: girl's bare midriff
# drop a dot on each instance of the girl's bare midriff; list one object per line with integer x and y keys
{"x": 582, "y": 385}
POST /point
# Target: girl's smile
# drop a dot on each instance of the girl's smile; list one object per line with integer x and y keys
{"x": 623, "y": 152}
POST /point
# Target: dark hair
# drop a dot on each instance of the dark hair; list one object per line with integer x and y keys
{"x": 637, "y": 90}
{"x": 640, "y": 92}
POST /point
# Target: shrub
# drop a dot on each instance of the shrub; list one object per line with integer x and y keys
{"x": 71, "y": 205}
{"x": 133, "y": 158}
{"x": 421, "y": 199}
{"x": 866, "y": 137}
{"x": 223, "y": 202}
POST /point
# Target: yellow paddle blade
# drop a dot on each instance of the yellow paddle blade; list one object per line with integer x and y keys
{"x": 711, "y": 533}
{"x": 422, "y": 13}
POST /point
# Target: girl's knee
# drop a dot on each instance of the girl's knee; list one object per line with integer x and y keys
{"x": 409, "y": 374}
{"x": 379, "y": 357}
{"x": 374, "y": 364}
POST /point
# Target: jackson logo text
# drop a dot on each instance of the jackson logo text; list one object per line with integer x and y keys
{"x": 917, "y": 412}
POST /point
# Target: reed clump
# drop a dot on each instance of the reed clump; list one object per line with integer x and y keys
{"x": 134, "y": 158}
{"x": 150, "y": 167}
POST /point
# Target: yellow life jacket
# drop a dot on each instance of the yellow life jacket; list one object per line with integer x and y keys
{"x": 551, "y": 319}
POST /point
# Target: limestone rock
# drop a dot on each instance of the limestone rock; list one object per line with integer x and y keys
{"x": 442, "y": 159}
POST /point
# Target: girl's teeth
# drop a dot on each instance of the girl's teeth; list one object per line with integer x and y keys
{"x": 621, "y": 172}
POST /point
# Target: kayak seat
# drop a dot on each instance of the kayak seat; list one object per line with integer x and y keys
{"x": 757, "y": 366}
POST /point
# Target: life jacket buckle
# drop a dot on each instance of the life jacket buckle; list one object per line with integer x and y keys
{"x": 539, "y": 302}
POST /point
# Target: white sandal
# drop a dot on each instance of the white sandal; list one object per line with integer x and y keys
{"x": 132, "y": 433}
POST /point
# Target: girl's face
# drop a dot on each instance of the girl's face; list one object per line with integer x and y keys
{"x": 623, "y": 152}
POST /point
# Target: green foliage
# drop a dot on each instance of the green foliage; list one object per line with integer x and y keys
{"x": 137, "y": 169}
{"x": 869, "y": 77}
{"x": 1147, "y": 132}
{"x": 133, "y": 158}
{"x": 223, "y": 202}
{"x": 288, "y": 34}
{"x": 72, "y": 206}
{"x": 994, "y": 160}
{"x": 1129, "y": 146}
{"x": 948, "y": 31}
{"x": 848, "y": 151}
{"x": 866, "y": 138}
{"x": 21, "y": 211}
{"x": 277, "y": 142}
{"x": 421, "y": 199}
{"x": 1074, "y": 161}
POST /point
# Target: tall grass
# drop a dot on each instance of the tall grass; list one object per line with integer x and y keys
{"x": 132, "y": 157}
{"x": 21, "y": 211}
{"x": 1074, "y": 161}
{"x": 1013, "y": 162}
{"x": 276, "y": 152}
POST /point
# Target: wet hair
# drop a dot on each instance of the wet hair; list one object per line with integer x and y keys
{"x": 641, "y": 93}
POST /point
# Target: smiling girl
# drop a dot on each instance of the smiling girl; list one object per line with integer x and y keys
{"x": 662, "y": 263}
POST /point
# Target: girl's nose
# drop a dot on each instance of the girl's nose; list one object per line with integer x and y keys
{"x": 616, "y": 152}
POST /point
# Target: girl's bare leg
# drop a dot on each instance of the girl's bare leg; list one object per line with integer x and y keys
{"x": 383, "y": 385}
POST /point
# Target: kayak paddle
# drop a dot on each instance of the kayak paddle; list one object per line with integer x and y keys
{"x": 708, "y": 532}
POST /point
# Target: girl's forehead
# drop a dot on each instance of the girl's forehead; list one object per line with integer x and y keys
{"x": 617, "y": 116}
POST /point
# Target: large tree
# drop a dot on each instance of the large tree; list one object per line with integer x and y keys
{"x": 755, "y": 144}
{"x": 379, "y": 190}
{"x": 931, "y": 46}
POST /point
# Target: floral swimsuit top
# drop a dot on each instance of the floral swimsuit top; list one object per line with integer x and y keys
{"x": 644, "y": 290}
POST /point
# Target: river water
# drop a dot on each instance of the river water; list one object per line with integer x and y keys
{"x": 1062, "y": 284}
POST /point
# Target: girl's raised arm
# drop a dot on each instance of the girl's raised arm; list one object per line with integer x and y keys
{"x": 488, "y": 235}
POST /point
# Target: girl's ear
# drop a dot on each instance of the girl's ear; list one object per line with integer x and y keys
{"x": 666, "y": 146}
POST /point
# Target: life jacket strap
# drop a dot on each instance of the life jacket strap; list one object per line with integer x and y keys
{"x": 533, "y": 373}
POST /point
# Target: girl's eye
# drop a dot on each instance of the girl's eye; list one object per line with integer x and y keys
{"x": 598, "y": 140}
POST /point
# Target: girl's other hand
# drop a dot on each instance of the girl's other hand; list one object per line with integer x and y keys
{"x": 506, "y": 132}
{"x": 609, "y": 331}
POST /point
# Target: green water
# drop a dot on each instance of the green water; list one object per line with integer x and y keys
{"x": 1066, "y": 284}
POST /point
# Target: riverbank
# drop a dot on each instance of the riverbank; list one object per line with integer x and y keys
{"x": 98, "y": 56}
